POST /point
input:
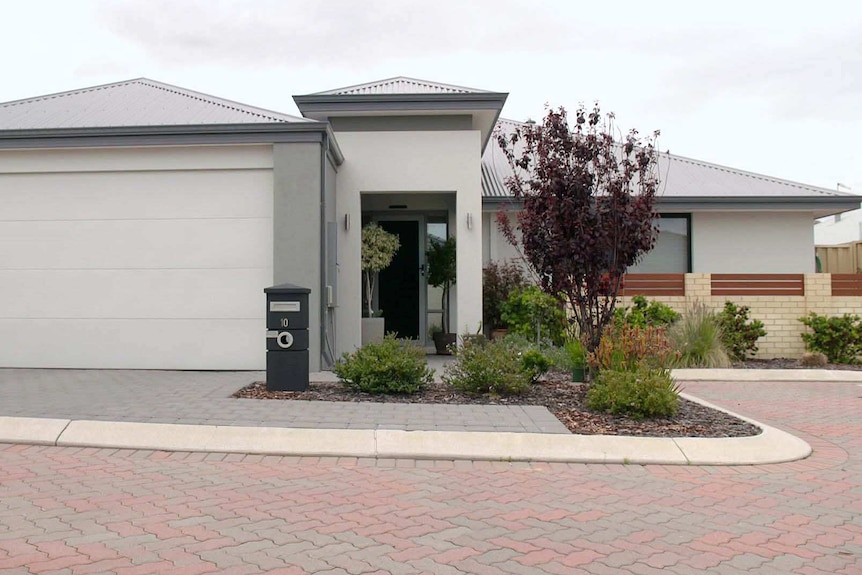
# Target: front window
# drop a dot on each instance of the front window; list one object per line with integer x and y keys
{"x": 672, "y": 251}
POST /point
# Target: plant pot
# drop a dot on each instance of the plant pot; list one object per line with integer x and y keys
{"x": 579, "y": 374}
{"x": 442, "y": 341}
{"x": 373, "y": 330}
{"x": 499, "y": 332}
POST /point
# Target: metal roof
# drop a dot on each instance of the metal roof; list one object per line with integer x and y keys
{"x": 680, "y": 177}
{"x": 138, "y": 102}
{"x": 399, "y": 85}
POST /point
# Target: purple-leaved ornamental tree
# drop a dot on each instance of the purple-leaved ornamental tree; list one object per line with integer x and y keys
{"x": 588, "y": 209}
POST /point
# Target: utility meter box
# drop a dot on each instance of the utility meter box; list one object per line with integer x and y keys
{"x": 287, "y": 338}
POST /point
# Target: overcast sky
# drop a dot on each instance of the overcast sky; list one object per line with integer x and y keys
{"x": 768, "y": 86}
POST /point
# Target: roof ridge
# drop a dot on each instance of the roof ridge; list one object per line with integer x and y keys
{"x": 218, "y": 101}
{"x": 55, "y": 95}
{"x": 394, "y": 79}
{"x": 755, "y": 175}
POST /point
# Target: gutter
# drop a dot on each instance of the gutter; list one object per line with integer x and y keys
{"x": 276, "y": 132}
{"x": 837, "y": 203}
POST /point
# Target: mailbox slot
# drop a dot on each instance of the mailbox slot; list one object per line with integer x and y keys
{"x": 287, "y": 311}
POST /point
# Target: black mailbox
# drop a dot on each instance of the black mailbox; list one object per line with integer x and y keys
{"x": 286, "y": 338}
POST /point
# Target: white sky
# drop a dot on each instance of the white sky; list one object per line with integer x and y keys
{"x": 768, "y": 86}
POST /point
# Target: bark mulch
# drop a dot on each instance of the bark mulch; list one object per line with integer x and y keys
{"x": 566, "y": 400}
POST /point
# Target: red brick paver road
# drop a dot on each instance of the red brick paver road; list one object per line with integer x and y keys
{"x": 75, "y": 511}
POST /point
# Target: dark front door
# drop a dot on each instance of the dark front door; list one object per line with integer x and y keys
{"x": 398, "y": 288}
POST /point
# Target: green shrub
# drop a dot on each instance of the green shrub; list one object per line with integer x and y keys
{"x": 499, "y": 281}
{"x": 576, "y": 354}
{"x": 632, "y": 348}
{"x": 637, "y": 394}
{"x": 394, "y": 366}
{"x": 739, "y": 333}
{"x": 532, "y": 313}
{"x": 839, "y": 338}
{"x": 643, "y": 313}
{"x": 535, "y": 363}
{"x": 697, "y": 339}
{"x": 494, "y": 368}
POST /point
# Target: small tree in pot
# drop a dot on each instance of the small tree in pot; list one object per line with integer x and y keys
{"x": 441, "y": 274}
{"x": 378, "y": 249}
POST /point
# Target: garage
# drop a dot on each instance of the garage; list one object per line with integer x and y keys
{"x": 141, "y": 222}
{"x": 135, "y": 257}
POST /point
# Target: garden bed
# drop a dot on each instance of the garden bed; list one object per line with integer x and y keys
{"x": 566, "y": 400}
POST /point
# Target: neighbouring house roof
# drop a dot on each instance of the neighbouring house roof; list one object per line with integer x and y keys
{"x": 400, "y": 85}
{"x": 138, "y": 102}
{"x": 686, "y": 183}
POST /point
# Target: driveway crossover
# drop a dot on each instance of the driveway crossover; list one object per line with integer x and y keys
{"x": 78, "y": 510}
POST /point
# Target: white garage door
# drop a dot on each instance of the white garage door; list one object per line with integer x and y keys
{"x": 117, "y": 262}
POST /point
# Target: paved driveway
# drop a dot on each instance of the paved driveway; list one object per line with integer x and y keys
{"x": 69, "y": 510}
{"x": 204, "y": 398}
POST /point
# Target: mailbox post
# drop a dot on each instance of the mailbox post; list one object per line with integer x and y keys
{"x": 287, "y": 338}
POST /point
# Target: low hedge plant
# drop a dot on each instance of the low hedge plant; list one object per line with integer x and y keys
{"x": 839, "y": 338}
{"x": 496, "y": 368}
{"x": 638, "y": 394}
{"x": 394, "y": 366}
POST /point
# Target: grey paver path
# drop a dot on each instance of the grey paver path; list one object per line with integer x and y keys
{"x": 77, "y": 510}
{"x": 190, "y": 397}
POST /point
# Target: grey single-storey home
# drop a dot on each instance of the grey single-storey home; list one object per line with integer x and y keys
{"x": 141, "y": 221}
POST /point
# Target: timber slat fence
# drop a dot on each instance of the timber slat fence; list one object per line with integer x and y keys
{"x": 846, "y": 284}
{"x": 758, "y": 284}
{"x": 653, "y": 284}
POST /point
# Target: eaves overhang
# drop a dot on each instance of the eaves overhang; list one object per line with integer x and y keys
{"x": 485, "y": 107}
{"x": 313, "y": 104}
{"x": 176, "y": 135}
{"x": 820, "y": 206}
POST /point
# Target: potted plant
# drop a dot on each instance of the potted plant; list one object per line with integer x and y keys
{"x": 577, "y": 359}
{"x": 441, "y": 274}
{"x": 499, "y": 281}
{"x": 378, "y": 249}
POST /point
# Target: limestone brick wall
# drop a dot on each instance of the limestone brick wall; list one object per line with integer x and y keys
{"x": 780, "y": 314}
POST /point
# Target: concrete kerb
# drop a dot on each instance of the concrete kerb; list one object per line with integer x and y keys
{"x": 771, "y": 446}
{"x": 32, "y": 430}
{"x": 768, "y": 375}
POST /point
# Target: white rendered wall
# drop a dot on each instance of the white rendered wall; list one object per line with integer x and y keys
{"x": 135, "y": 258}
{"x": 410, "y": 162}
{"x": 722, "y": 242}
{"x": 752, "y": 242}
{"x": 495, "y": 245}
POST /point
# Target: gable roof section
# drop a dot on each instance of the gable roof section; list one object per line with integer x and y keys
{"x": 405, "y": 96}
{"x": 138, "y": 102}
{"x": 688, "y": 183}
{"x": 399, "y": 85}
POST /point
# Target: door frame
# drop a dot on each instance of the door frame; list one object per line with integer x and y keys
{"x": 421, "y": 219}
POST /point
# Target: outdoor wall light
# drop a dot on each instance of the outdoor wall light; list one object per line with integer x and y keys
{"x": 346, "y": 222}
{"x": 469, "y": 221}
